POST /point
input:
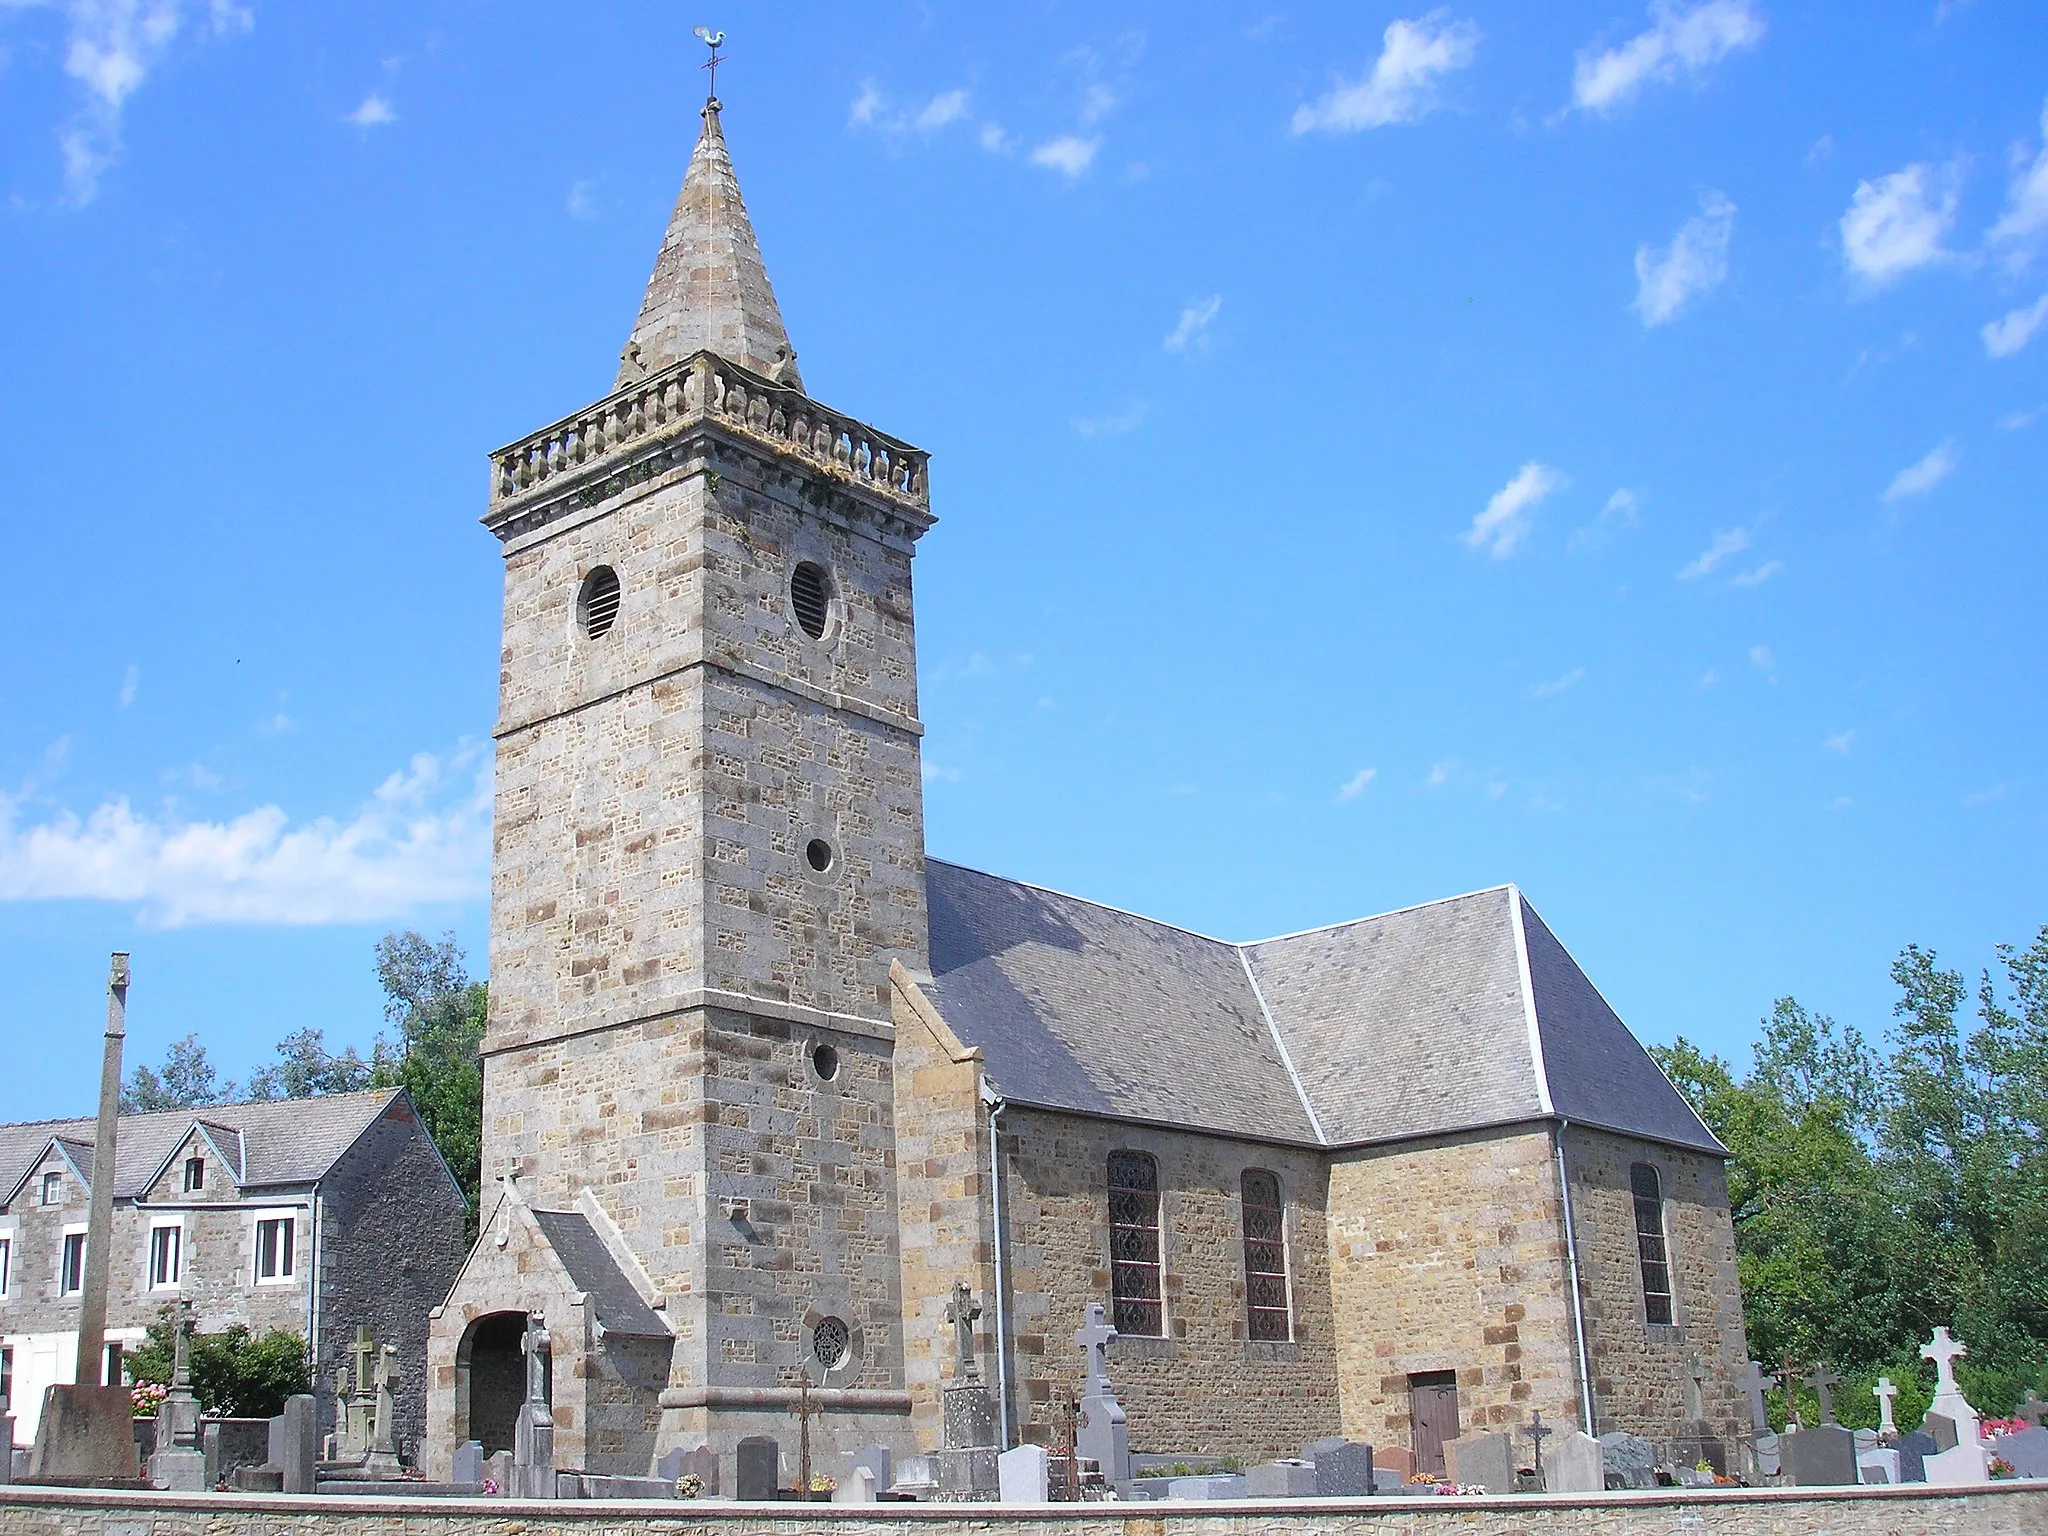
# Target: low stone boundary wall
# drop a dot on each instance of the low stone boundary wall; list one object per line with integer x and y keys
{"x": 2009, "y": 1510}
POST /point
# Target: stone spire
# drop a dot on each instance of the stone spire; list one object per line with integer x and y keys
{"x": 710, "y": 290}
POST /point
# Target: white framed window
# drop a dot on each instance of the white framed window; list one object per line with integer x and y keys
{"x": 71, "y": 1263}
{"x": 195, "y": 1174}
{"x": 6, "y": 1262}
{"x": 166, "y": 1256}
{"x": 53, "y": 1188}
{"x": 276, "y": 1247}
{"x": 7, "y": 1374}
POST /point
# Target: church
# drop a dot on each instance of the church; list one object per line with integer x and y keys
{"x": 763, "y": 1081}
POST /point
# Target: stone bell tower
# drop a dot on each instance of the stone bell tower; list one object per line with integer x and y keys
{"x": 709, "y": 848}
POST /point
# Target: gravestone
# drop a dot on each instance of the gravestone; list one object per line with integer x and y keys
{"x": 1753, "y": 1384}
{"x": 1821, "y": 1457}
{"x": 1866, "y": 1441}
{"x": 179, "y": 1462}
{"x": 1884, "y": 1392}
{"x": 879, "y": 1461}
{"x": 533, "y": 1432}
{"x": 1768, "y": 1462}
{"x": 362, "y": 1405}
{"x": 1343, "y": 1468}
{"x": 498, "y": 1471}
{"x": 701, "y": 1463}
{"x": 1221, "y": 1486}
{"x": 1398, "y": 1459}
{"x": 967, "y": 1474}
{"x": 1964, "y": 1466}
{"x": 966, "y": 1462}
{"x": 383, "y": 1462}
{"x": 1696, "y": 1442}
{"x": 1575, "y": 1463}
{"x": 2027, "y": 1451}
{"x": 468, "y": 1466}
{"x": 857, "y": 1487}
{"x": 1629, "y": 1461}
{"x": 1102, "y": 1436}
{"x": 1949, "y": 1401}
{"x": 1482, "y": 1461}
{"x": 916, "y": 1478}
{"x": 1024, "y": 1475}
{"x": 258, "y": 1479}
{"x": 1914, "y": 1448}
{"x": 295, "y": 1450}
{"x": 1943, "y": 1429}
{"x": 1880, "y": 1465}
{"x": 758, "y": 1473}
{"x": 1281, "y": 1480}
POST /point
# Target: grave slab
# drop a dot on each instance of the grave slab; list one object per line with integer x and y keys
{"x": 1482, "y": 1461}
{"x": 1821, "y": 1457}
{"x": 1965, "y": 1466}
{"x": 1398, "y": 1459}
{"x": 1629, "y": 1460}
{"x": 469, "y": 1462}
{"x": 857, "y": 1487}
{"x": 1575, "y": 1463}
{"x": 1943, "y": 1429}
{"x": 758, "y": 1476}
{"x": 1024, "y": 1475}
{"x": 299, "y": 1432}
{"x": 498, "y": 1471}
{"x": 1878, "y": 1466}
{"x": 1914, "y": 1449}
{"x": 1344, "y": 1470}
{"x": 967, "y": 1475}
{"x": 879, "y": 1461}
{"x": 86, "y": 1435}
{"x": 2027, "y": 1451}
{"x": 1224, "y": 1486}
{"x": 1281, "y": 1480}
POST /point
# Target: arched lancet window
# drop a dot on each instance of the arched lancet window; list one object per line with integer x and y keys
{"x": 1651, "y": 1251}
{"x": 1265, "y": 1257}
{"x": 1134, "y": 1252}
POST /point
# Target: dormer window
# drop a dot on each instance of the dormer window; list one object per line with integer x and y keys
{"x": 53, "y": 1188}
{"x": 195, "y": 1175}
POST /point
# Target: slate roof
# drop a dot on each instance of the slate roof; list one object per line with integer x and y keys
{"x": 282, "y": 1141}
{"x": 620, "y": 1306}
{"x": 1413, "y": 1023}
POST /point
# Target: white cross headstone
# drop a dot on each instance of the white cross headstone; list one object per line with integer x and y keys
{"x": 1094, "y": 1336}
{"x": 1885, "y": 1392}
{"x": 1944, "y": 1350}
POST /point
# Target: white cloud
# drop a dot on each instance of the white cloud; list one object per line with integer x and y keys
{"x": 423, "y": 837}
{"x": 1116, "y": 424}
{"x": 1683, "y": 42}
{"x": 2026, "y": 206}
{"x": 2019, "y": 421}
{"x": 130, "y": 681}
{"x": 1618, "y": 514}
{"x": 995, "y": 140}
{"x": 933, "y": 773}
{"x": 1840, "y": 742}
{"x": 1356, "y": 785}
{"x": 1707, "y": 679}
{"x": 583, "y": 200}
{"x": 1557, "y": 685}
{"x": 1069, "y": 154}
{"x": 110, "y": 48}
{"x": 1193, "y": 329}
{"x": 2003, "y": 337}
{"x": 1758, "y": 576}
{"x": 1726, "y": 542}
{"x": 1402, "y": 87}
{"x": 1695, "y": 262}
{"x": 865, "y": 106}
{"x": 1917, "y": 479}
{"x": 947, "y": 107}
{"x": 375, "y": 112}
{"x": 1897, "y": 223}
{"x": 1439, "y": 773}
{"x": 1504, "y": 525}
{"x": 1760, "y": 656}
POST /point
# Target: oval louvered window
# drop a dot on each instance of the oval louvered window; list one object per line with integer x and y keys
{"x": 597, "y": 602}
{"x": 810, "y": 593}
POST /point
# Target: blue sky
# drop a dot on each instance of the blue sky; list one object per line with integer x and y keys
{"x": 1380, "y": 453}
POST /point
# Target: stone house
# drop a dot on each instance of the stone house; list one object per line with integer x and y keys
{"x": 763, "y": 1082}
{"x": 310, "y": 1216}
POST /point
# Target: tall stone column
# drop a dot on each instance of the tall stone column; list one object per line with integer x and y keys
{"x": 99, "y": 1232}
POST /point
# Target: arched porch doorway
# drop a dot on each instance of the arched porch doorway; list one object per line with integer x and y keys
{"x": 491, "y": 1376}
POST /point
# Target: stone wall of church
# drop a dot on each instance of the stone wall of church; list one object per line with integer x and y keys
{"x": 1640, "y": 1369}
{"x": 1205, "y": 1387}
{"x": 1448, "y": 1255}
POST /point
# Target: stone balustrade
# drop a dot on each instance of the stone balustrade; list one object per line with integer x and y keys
{"x": 705, "y": 387}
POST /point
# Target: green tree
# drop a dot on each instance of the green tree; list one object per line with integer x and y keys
{"x": 186, "y": 1080}
{"x": 234, "y": 1372}
{"x": 305, "y": 1067}
{"x": 439, "y": 1014}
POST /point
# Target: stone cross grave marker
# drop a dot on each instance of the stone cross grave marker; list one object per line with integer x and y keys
{"x": 961, "y": 1312}
{"x": 1944, "y": 1350}
{"x": 180, "y": 1462}
{"x": 2030, "y": 1409}
{"x": 1695, "y": 1388}
{"x": 1788, "y": 1378}
{"x": 1884, "y": 1392}
{"x": 1824, "y": 1381}
{"x": 1754, "y": 1382}
{"x": 533, "y": 1450}
{"x": 362, "y": 1408}
{"x": 1536, "y": 1434}
{"x": 383, "y": 1457}
{"x": 1103, "y": 1436}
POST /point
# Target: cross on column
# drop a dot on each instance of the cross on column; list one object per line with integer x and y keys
{"x": 961, "y": 1312}
{"x": 1884, "y": 1392}
{"x": 1536, "y": 1434}
{"x": 365, "y": 1352}
{"x": 1824, "y": 1381}
{"x": 1753, "y": 1383}
{"x": 1944, "y": 1350}
{"x": 1094, "y": 1336}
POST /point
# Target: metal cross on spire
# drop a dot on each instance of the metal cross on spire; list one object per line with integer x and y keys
{"x": 711, "y": 40}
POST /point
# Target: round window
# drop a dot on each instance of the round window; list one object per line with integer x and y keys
{"x": 818, "y": 854}
{"x": 825, "y": 1062}
{"x": 830, "y": 1341}
{"x": 597, "y": 602}
{"x": 810, "y": 594}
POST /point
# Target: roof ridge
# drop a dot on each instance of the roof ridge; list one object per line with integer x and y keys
{"x": 1373, "y": 917}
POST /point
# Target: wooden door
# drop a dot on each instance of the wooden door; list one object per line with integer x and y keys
{"x": 1433, "y": 1417}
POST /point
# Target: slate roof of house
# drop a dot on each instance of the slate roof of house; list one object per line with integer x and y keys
{"x": 282, "y": 1141}
{"x": 620, "y": 1306}
{"x": 1414, "y": 1023}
